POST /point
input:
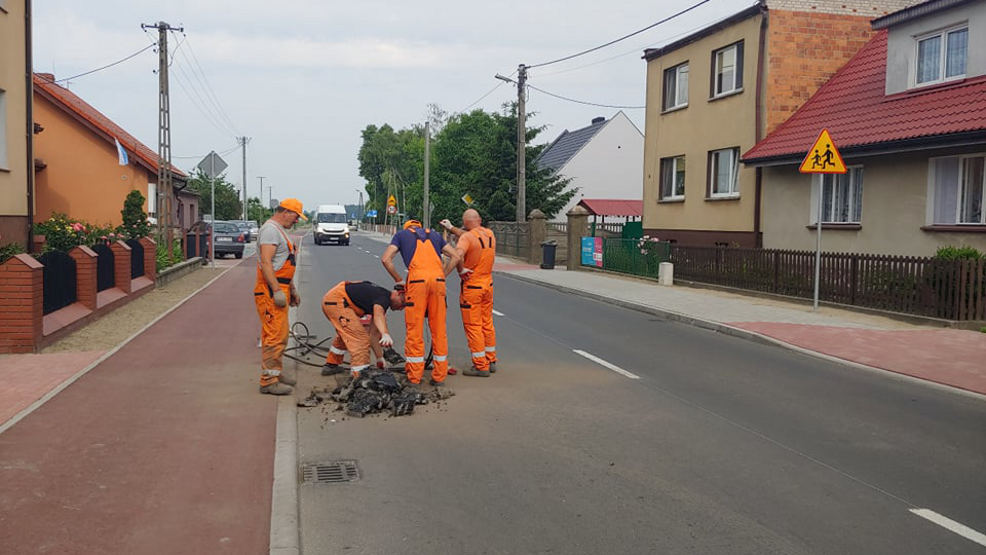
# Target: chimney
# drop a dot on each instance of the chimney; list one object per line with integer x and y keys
{"x": 49, "y": 77}
{"x": 599, "y": 119}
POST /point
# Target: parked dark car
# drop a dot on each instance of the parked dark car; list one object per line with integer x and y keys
{"x": 244, "y": 226}
{"x": 229, "y": 238}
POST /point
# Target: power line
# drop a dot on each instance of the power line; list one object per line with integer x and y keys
{"x": 480, "y": 99}
{"x": 624, "y": 37}
{"x": 208, "y": 87}
{"x": 201, "y": 156}
{"x": 584, "y": 102}
{"x": 148, "y": 47}
{"x": 196, "y": 99}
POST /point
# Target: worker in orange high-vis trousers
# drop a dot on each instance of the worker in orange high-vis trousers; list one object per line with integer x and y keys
{"x": 477, "y": 246}
{"x": 345, "y": 305}
{"x": 422, "y": 250}
{"x": 273, "y": 291}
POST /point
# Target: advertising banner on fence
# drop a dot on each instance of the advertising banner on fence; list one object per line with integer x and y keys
{"x": 592, "y": 251}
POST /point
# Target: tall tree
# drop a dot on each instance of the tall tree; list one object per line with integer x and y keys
{"x": 228, "y": 204}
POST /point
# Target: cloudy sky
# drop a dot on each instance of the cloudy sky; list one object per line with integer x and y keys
{"x": 302, "y": 78}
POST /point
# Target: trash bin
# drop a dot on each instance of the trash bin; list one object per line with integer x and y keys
{"x": 548, "y": 254}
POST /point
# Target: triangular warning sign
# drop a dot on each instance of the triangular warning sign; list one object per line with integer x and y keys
{"x": 823, "y": 157}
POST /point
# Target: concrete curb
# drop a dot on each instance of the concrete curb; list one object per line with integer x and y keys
{"x": 284, "y": 523}
{"x": 60, "y": 387}
{"x": 742, "y": 334}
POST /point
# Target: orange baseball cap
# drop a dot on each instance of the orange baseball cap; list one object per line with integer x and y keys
{"x": 295, "y": 206}
{"x": 411, "y": 223}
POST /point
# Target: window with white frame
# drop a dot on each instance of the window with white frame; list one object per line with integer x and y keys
{"x": 676, "y": 87}
{"x": 842, "y": 197}
{"x": 724, "y": 173}
{"x": 958, "y": 190}
{"x": 673, "y": 178}
{"x": 3, "y": 129}
{"x": 942, "y": 55}
{"x": 727, "y": 69}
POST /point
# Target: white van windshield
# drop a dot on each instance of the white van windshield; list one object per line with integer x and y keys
{"x": 331, "y": 218}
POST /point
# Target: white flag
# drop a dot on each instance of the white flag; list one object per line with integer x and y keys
{"x": 121, "y": 153}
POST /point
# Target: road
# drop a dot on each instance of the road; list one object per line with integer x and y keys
{"x": 657, "y": 438}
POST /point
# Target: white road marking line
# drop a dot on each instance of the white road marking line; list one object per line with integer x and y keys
{"x": 498, "y": 313}
{"x": 951, "y": 525}
{"x": 602, "y": 362}
{"x": 376, "y": 256}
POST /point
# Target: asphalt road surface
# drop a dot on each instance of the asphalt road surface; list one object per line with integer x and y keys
{"x": 611, "y": 431}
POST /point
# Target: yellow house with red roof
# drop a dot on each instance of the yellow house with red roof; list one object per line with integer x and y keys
{"x": 77, "y": 164}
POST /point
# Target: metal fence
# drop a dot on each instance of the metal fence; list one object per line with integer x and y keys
{"x": 949, "y": 289}
{"x": 105, "y": 277}
{"x": 59, "y": 277}
{"x": 512, "y": 238}
{"x": 136, "y": 258}
{"x": 632, "y": 256}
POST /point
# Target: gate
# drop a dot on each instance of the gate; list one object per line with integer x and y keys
{"x": 104, "y": 267}
{"x": 59, "y": 277}
{"x": 136, "y": 258}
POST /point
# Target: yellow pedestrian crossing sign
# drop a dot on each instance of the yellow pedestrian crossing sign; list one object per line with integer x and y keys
{"x": 823, "y": 156}
{"x": 392, "y": 201}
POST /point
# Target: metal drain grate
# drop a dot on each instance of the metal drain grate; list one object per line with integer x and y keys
{"x": 330, "y": 473}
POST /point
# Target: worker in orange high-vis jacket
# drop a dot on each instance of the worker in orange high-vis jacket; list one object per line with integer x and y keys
{"x": 477, "y": 246}
{"x": 273, "y": 291}
{"x": 422, "y": 250}
{"x": 345, "y": 305}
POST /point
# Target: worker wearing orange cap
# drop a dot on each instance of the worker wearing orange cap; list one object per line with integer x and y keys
{"x": 273, "y": 291}
{"x": 422, "y": 250}
{"x": 477, "y": 245}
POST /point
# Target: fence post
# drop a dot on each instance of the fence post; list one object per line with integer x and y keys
{"x": 538, "y": 232}
{"x": 854, "y": 278}
{"x": 121, "y": 265}
{"x": 21, "y": 304}
{"x": 85, "y": 276}
{"x": 150, "y": 257}
{"x": 578, "y": 226}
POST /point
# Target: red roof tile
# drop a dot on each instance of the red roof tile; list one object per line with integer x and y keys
{"x": 72, "y": 103}
{"x": 613, "y": 207}
{"x": 853, "y": 106}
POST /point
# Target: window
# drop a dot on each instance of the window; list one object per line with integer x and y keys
{"x": 727, "y": 70}
{"x": 673, "y": 178}
{"x": 676, "y": 87}
{"x": 3, "y": 129}
{"x": 942, "y": 56}
{"x": 959, "y": 190}
{"x": 724, "y": 173}
{"x": 842, "y": 197}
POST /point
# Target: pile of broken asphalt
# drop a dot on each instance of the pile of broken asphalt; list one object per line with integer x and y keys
{"x": 376, "y": 391}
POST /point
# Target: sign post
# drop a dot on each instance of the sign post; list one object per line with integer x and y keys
{"x": 822, "y": 158}
{"x": 212, "y": 165}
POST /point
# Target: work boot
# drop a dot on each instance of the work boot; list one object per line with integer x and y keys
{"x": 473, "y": 371}
{"x": 436, "y": 384}
{"x": 287, "y": 380}
{"x": 277, "y": 388}
{"x": 492, "y": 368}
{"x": 331, "y": 369}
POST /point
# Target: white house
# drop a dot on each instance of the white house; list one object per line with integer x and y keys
{"x": 603, "y": 160}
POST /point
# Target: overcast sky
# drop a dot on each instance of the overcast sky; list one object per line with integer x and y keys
{"x": 302, "y": 78}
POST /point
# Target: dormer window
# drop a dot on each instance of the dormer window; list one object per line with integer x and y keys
{"x": 942, "y": 55}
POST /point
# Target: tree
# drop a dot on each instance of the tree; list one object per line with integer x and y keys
{"x": 228, "y": 204}
{"x": 257, "y": 212}
{"x": 135, "y": 223}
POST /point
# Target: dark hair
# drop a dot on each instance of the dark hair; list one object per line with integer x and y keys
{"x": 280, "y": 208}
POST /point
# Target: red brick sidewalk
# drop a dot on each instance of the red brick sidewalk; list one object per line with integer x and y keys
{"x": 951, "y": 357}
{"x": 165, "y": 447}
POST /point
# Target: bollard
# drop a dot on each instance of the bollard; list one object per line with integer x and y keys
{"x": 665, "y": 273}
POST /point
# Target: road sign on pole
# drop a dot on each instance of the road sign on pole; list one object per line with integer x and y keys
{"x": 212, "y": 165}
{"x": 822, "y": 158}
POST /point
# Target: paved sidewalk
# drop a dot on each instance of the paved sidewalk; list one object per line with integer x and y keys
{"x": 955, "y": 358}
{"x": 164, "y": 447}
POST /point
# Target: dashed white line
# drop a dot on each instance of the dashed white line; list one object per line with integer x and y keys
{"x": 605, "y": 364}
{"x": 951, "y": 525}
{"x": 498, "y": 313}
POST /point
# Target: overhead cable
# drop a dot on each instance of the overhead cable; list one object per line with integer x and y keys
{"x": 105, "y": 66}
{"x": 585, "y": 102}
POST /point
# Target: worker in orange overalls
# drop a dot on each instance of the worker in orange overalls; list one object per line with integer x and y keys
{"x": 422, "y": 250}
{"x": 273, "y": 291}
{"x": 345, "y": 305}
{"x": 477, "y": 246}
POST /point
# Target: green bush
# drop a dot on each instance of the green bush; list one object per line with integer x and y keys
{"x": 135, "y": 223}
{"x": 9, "y": 250}
{"x": 959, "y": 253}
{"x": 163, "y": 258}
{"x": 63, "y": 233}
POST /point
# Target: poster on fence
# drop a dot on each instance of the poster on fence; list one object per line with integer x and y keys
{"x": 592, "y": 251}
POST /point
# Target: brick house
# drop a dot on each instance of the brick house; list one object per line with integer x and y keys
{"x": 908, "y": 114}
{"x": 717, "y": 92}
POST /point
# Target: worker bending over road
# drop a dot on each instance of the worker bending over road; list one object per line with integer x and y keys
{"x": 273, "y": 290}
{"x": 422, "y": 249}
{"x": 477, "y": 246}
{"x": 345, "y": 305}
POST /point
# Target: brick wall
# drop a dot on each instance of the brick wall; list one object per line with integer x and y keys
{"x": 21, "y": 304}
{"x": 150, "y": 257}
{"x": 121, "y": 265}
{"x": 804, "y": 49}
{"x": 867, "y": 8}
{"x": 85, "y": 275}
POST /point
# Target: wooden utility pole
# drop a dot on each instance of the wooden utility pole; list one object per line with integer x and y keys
{"x": 243, "y": 143}
{"x": 521, "y": 143}
{"x": 425, "y": 208}
{"x": 164, "y": 187}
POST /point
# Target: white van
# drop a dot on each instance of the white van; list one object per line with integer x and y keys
{"x": 331, "y": 224}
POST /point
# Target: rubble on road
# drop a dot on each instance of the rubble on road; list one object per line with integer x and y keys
{"x": 376, "y": 391}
